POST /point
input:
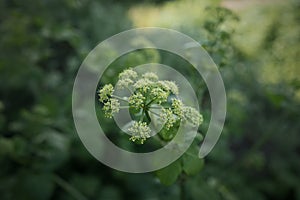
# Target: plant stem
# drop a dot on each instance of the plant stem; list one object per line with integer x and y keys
{"x": 68, "y": 188}
{"x": 182, "y": 187}
{"x": 142, "y": 116}
{"x": 154, "y": 113}
{"x": 120, "y": 98}
{"x": 150, "y": 102}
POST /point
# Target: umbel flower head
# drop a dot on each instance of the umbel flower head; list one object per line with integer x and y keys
{"x": 140, "y": 131}
{"x": 126, "y": 78}
{"x": 148, "y": 97}
{"x": 105, "y": 93}
{"x": 110, "y": 107}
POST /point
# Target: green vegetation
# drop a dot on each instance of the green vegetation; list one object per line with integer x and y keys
{"x": 257, "y": 50}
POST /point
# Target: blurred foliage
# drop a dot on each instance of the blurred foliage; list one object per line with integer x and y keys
{"x": 42, "y": 45}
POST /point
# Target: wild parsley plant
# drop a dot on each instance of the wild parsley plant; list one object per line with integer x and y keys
{"x": 149, "y": 96}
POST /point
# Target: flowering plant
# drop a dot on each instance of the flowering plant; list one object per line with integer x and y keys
{"x": 149, "y": 96}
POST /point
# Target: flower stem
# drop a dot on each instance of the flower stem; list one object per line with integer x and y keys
{"x": 120, "y": 98}
{"x": 154, "y": 113}
{"x": 68, "y": 188}
{"x": 142, "y": 116}
{"x": 182, "y": 187}
{"x": 150, "y": 102}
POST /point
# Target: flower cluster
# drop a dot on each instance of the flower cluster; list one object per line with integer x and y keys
{"x": 149, "y": 96}
{"x": 111, "y": 107}
{"x": 126, "y": 78}
{"x": 169, "y": 85}
{"x": 150, "y": 76}
{"x": 159, "y": 95}
{"x": 143, "y": 85}
{"x": 192, "y": 115}
{"x": 105, "y": 93}
{"x": 168, "y": 117}
{"x": 140, "y": 131}
{"x": 177, "y": 107}
{"x": 137, "y": 100}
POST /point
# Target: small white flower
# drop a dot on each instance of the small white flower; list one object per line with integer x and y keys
{"x": 159, "y": 95}
{"x": 111, "y": 107}
{"x": 140, "y": 131}
{"x": 192, "y": 115}
{"x": 172, "y": 87}
{"x": 168, "y": 86}
{"x": 168, "y": 117}
{"x": 137, "y": 100}
{"x": 143, "y": 84}
{"x": 126, "y": 78}
{"x": 128, "y": 74}
{"x": 177, "y": 107}
{"x": 150, "y": 76}
{"x": 124, "y": 83}
{"x": 105, "y": 92}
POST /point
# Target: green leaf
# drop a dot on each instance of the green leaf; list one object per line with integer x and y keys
{"x": 191, "y": 163}
{"x": 169, "y": 174}
{"x": 169, "y": 134}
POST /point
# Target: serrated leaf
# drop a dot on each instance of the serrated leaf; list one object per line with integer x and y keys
{"x": 169, "y": 174}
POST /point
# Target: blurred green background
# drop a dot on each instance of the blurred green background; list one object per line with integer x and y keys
{"x": 254, "y": 43}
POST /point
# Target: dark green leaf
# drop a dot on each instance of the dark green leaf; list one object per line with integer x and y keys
{"x": 191, "y": 164}
{"x": 169, "y": 174}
